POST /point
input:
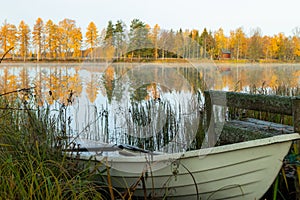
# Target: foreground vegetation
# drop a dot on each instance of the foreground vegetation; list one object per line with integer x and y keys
{"x": 31, "y": 162}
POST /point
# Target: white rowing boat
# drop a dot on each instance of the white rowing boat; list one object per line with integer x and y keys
{"x": 237, "y": 171}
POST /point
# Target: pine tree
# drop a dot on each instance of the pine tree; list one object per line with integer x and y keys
{"x": 109, "y": 36}
{"x": 119, "y": 38}
{"x": 139, "y": 40}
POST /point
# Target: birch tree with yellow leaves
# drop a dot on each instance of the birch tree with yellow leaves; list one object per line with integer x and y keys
{"x": 52, "y": 39}
{"x": 66, "y": 30}
{"x": 296, "y": 42}
{"x": 220, "y": 42}
{"x": 238, "y": 43}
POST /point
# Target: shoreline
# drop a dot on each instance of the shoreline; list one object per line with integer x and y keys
{"x": 150, "y": 60}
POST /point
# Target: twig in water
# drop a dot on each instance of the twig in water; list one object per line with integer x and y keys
{"x": 19, "y": 90}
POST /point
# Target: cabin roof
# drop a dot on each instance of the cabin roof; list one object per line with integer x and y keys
{"x": 226, "y": 51}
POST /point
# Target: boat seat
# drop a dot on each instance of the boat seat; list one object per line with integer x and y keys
{"x": 246, "y": 129}
{"x": 243, "y": 128}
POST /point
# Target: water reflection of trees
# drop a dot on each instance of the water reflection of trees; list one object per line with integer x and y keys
{"x": 61, "y": 80}
{"x": 132, "y": 97}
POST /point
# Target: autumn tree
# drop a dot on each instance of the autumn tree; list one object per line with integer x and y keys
{"x": 296, "y": 42}
{"x": 238, "y": 43}
{"x": 38, "y": 36}
{"x": 3, "y": 36}
{"x": 255, "y": 50}
{"x": 272, "y": 47}
{"x": 92, "y": 37}
{"x": 68, "y": 34}
{"x": 8, "y": 37}
{"x": 282, "y": 45}
{"x": 279, "y": 47}
{"x": 296, "y": 45}
{"x": 24, "y": 39}
{"x": 52, "y": 39}
{"x": 76, "y": 42}
{"x": 154, "y": 38}
{"x": 220, "y": 42}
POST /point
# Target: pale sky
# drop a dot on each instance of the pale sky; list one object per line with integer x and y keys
{"x": 271, "y": 16}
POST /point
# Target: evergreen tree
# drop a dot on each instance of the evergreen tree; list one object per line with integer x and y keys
{"x": 139, "y": 42}
{"x": 119, "y": 38}
{"x": 109, "y": 35}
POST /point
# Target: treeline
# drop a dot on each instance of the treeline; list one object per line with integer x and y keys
{"x": 65, "y": 41}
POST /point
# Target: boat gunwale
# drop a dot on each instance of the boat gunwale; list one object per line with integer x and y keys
{"x": 197, "y": 153}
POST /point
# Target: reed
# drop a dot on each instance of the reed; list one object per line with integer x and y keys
{"x": 32, "y": 165}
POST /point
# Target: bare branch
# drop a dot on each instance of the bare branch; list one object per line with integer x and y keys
{"x": 6, "y": 53}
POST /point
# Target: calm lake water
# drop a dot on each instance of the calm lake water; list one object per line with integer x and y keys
{"x": 156, "y": 106}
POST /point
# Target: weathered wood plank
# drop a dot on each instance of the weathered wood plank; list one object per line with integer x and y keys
{"x": 266, "y": 103}
{"x": 250, "y": 129}
{"x": 210, "y": 120}
{"x": 296, "y": 114}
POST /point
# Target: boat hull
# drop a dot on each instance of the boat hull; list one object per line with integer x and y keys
{"x": 239, "y": 171}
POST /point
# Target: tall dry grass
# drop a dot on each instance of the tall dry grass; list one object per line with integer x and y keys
{"x": 32, "y": 165}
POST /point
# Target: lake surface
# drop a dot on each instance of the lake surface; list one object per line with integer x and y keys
{"x": 155, "y": 106}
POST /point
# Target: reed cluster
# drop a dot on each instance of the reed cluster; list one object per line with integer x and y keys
{"x": 32, "y": 165}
